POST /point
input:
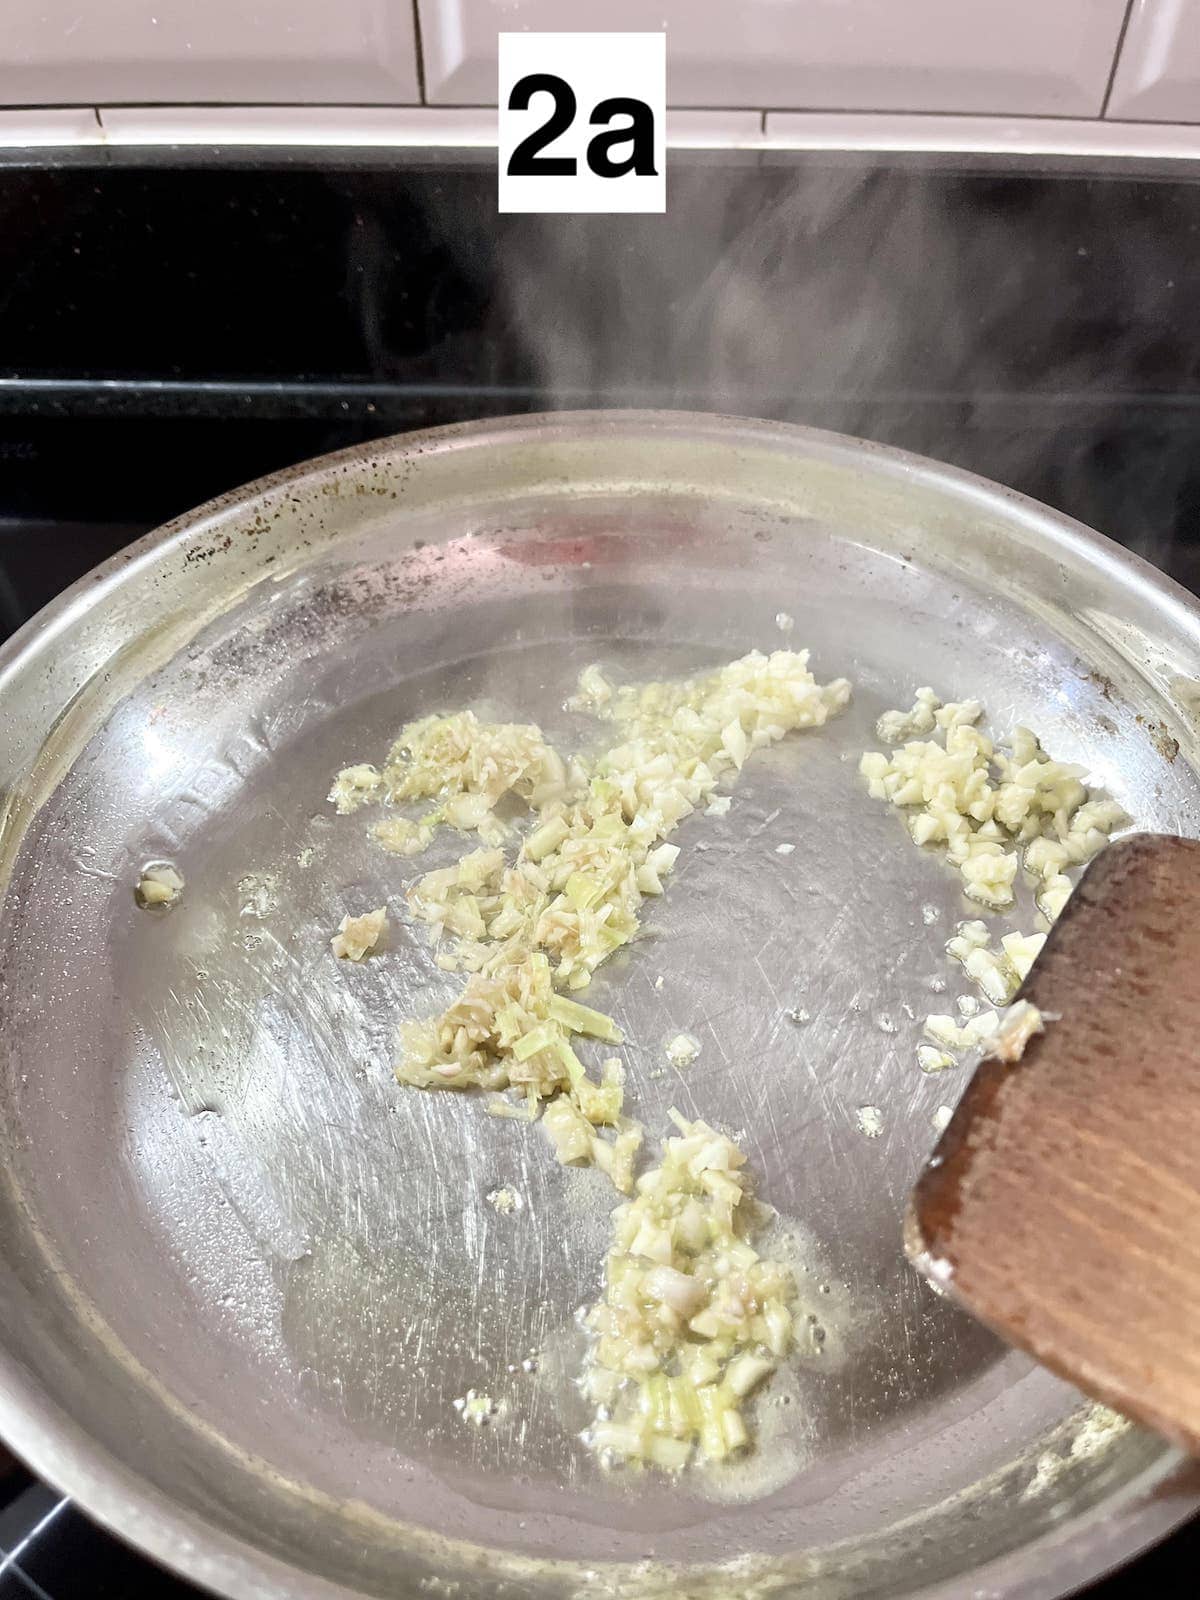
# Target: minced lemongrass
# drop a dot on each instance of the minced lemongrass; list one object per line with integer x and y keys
{"x": 692, "y": 1318}
{"x": 546, "y": 921}
{"x": 401, "y": 837}
{"x": 582, "y": 1019}
{"x": 355, "y": 786}
{"x": 468, "y": 766}
{"x": 358, "y": 936}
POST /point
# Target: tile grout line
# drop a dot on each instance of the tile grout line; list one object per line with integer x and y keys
{"x": 1112, "y": 75}
{"x": 419, "y": 50}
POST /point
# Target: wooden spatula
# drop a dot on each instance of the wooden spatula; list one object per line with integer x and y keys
{"x": 1062, "y": 1205}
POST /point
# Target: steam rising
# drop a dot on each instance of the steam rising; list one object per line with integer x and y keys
{"x": 1002, "y": 323}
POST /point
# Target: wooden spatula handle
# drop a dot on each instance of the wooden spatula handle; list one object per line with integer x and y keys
{"x": 1062, "y": 1205}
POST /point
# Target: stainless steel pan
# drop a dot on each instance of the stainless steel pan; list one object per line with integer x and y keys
{"x": 245, "y": 1275}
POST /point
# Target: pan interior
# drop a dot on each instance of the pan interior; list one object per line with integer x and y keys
{"x": 213, "y": 1178}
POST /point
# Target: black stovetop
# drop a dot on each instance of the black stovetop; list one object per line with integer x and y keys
{"x": 168, "y": 331}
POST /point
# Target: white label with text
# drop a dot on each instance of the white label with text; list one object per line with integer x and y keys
{"x": 582, "y": 121}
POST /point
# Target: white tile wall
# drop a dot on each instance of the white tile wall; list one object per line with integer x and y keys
{"x": 25, "y": 130}
{"x": 1048, "y": 57}
{"x": 1158, "y": 75}
{"x": 953, "y": 58}
{"x": 65, "y": 52}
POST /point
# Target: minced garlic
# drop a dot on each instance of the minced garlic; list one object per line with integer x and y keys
{"x": 947, "y": 1033}
{"x": 993, "y": 811}
{"x": 982, "y": 803}
{"x": 999, "y": 973}
{"x": 930, "y": 1059}
{"x": 160, "y": 886}
{"x": 1019, "y": 1025}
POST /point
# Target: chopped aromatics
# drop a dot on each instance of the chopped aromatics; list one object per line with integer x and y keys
{"x": 784, "y": 621}
{"x": 926, "y": 713}
{"x": 1048, "y": 855}
{"x": 894, "y": 727}
{"x": 946, "y": 1032}
{"x": 575, "y": 892}
{"x": 593, "y": 692}
{"x": 476, "y": 1408}
{"x": 1019, "y": 1025}
{"x": 582, "y": 1019}
{"x": 998, "y": 973}
{"x": 931, "y": 1060}
{"x": 159, "y": 886}
{"x": 465, "y": 764}
{"x": 1021, "y": 950}
{"x": 870, "y": 1121}
{"x": 357, "y": 936}
{"x": 572, "y": 1130}
{"x": 718, "y": 807}
{"x": 354, "y": 787}
{"x": 968, "y": 936}
{"x": 510, "y": 1110}
{"x": 682, "y": 1050}
{"x": 400, "y": 837}
{"x": 692, "y": 1318}
{"x": 981, "y": 803}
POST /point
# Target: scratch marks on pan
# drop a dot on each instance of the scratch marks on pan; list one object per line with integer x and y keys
{"x": 766, "y": 977}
